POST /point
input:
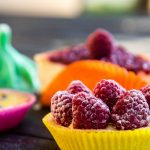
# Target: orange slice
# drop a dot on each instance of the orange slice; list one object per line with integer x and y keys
{"x": 90, "y": 72}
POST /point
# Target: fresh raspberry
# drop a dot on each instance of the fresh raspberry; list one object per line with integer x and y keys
{"x": 100, "y": 43}
{"x": 61, "y": 108}
{"x": 71, "y": 54}
{"x": 131, "y": 111}
{"x": 77, "y": 86}
{"x": 109, "y": 91}
{"x": 89, "y": 112}
{"x": 146, "y": 92}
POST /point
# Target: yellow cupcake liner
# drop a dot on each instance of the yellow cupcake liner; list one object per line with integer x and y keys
{"x": 76, "y": 139}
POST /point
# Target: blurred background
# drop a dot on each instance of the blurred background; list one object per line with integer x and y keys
{"x": 71, "y": 8}
{"x": 42, "y": 25}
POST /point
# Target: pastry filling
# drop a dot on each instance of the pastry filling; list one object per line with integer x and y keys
{"x": 70, "y": 55}
{"x": 125, "y": 59}
{"x": 11, "y": 99}
{"x": 119, "y": 56}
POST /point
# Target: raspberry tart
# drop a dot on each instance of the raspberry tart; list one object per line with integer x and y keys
{"x": 87, "y": 120}
{"x": 99, "y": 45}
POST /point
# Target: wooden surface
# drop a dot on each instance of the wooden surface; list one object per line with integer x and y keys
{"x": 29, "y": 135}
{"x": 32, "y": 35}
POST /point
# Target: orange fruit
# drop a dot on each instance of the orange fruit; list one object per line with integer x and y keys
{"x": 90, "y": 72}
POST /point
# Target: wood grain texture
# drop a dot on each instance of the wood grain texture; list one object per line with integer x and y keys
{"x": 21, "y": 142}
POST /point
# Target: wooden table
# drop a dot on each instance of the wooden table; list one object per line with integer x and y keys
{"x": 29, "y": 135}
{"x": 32, "y": 35}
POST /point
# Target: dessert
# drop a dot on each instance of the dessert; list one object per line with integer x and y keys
{"x": 76, "y": 87}
{"x": 16, "y": 70}
{"x": 146, "y": 92}
{"x": 13, "y": 107}
{"x": 109, "y": 91}
{"x": 63, "y": 114}
{"x": 131, "y": 111}
{"x": 92, "y": 110}
{"x": 11, "y": 99}
{"x": 94, "y": 126}
{"x": 50, "y": 64}
{"x": 89, "y": 72}
{"x": 87, "y": 109}
{"x": 100, "y": 45}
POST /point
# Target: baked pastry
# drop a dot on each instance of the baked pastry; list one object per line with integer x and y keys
{"x": 51, "y": 63}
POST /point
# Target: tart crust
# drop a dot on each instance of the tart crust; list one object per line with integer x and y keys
{"x": 47, "y": 70}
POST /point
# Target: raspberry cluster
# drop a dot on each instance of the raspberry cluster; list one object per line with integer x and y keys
{"x": 78, "y": 105}
{"x": 109, "y": 102}
{"x": 70, "y": 54}
{"x": 102, "y": 45}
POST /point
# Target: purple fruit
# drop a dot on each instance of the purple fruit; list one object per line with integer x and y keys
{"x": 100, "y": 44}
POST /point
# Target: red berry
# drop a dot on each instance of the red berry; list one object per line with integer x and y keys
{"x": 108, "y": 91}
{"x": 70, "y": 54}
{"x": 100, "y": 43}
{"x": 131, "y": 62}
{"x": 77, "y": 86}
{"x": 89, "y": 112}
{"x": 146, "y": 92}
{"x": 61, "y": 108}
{"x": 131, "y": 111}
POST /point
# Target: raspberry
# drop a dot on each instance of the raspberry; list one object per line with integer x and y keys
{"x": 89, "y": 112}
{"x": 109, "y": 91}
{"x": 146, "y": 92}
{"x": 100, "y": 43}
{"x": 71, "y": 54}
{"x": 146, "y": 66}
{"x": 131, "y": 111}
{"x": 131, "y": 62}
{"x": 77, "y": 86}
{"x": 61, "y": 108}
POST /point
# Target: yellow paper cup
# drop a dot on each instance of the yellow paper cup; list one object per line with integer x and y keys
{"x": 77, "y": 139}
